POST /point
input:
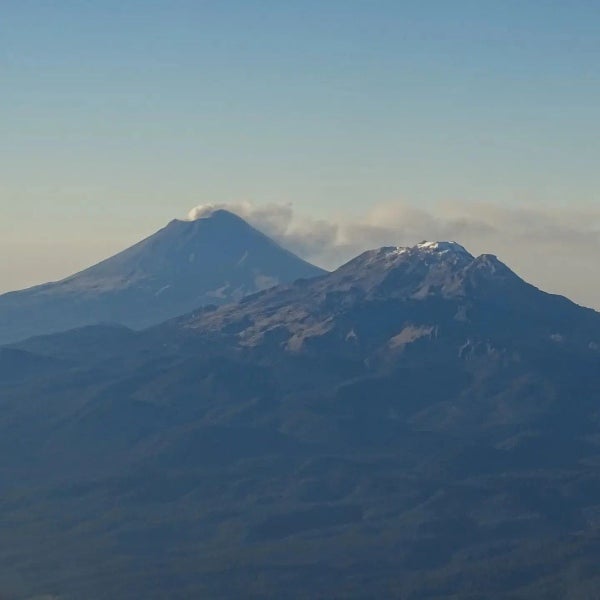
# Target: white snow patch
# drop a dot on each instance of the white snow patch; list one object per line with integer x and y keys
{"x": 220, "y": 293}
{"x": 162, "y": 289}
{"x": 443, "y": 247}
{"x": 398, "y": 250}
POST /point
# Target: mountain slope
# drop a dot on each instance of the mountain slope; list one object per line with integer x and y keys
{"x": 387, "y": 299}
{"x": 212, "y": 260}
{"x": 420, "y": 423}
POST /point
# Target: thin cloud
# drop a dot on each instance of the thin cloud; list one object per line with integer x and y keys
{"x": 554, "y": 248}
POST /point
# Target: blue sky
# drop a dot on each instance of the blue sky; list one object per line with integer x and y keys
{"x": 118, "y": 116}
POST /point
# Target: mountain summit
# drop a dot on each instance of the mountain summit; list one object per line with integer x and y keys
{"x": 215, "y": 259}
{"x": 393, "y": 296}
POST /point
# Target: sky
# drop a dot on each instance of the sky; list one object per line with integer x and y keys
{"x": 338, "y": 124}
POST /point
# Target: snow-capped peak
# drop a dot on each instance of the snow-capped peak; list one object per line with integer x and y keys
{"x": 442, "y": 247}
{"x": 390, "y": 255}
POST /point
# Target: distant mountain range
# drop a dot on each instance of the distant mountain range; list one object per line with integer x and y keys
{"x": 212, "y": 260}
{"x": 418, "y": 424}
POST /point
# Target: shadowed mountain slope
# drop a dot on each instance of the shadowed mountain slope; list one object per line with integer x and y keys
{"x": 418, "y": 424}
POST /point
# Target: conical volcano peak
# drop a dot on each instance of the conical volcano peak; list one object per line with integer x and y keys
{"x": 214, "y": 213}
{"x": 219, "y": 214}
{"x": 213, "y": 259}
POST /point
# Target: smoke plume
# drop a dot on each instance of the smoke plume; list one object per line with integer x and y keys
{"x": 554, "y": 248}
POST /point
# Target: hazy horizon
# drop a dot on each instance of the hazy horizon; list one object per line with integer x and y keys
{"x": 377, "y": 123}
{"x": 542, "y": 248}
